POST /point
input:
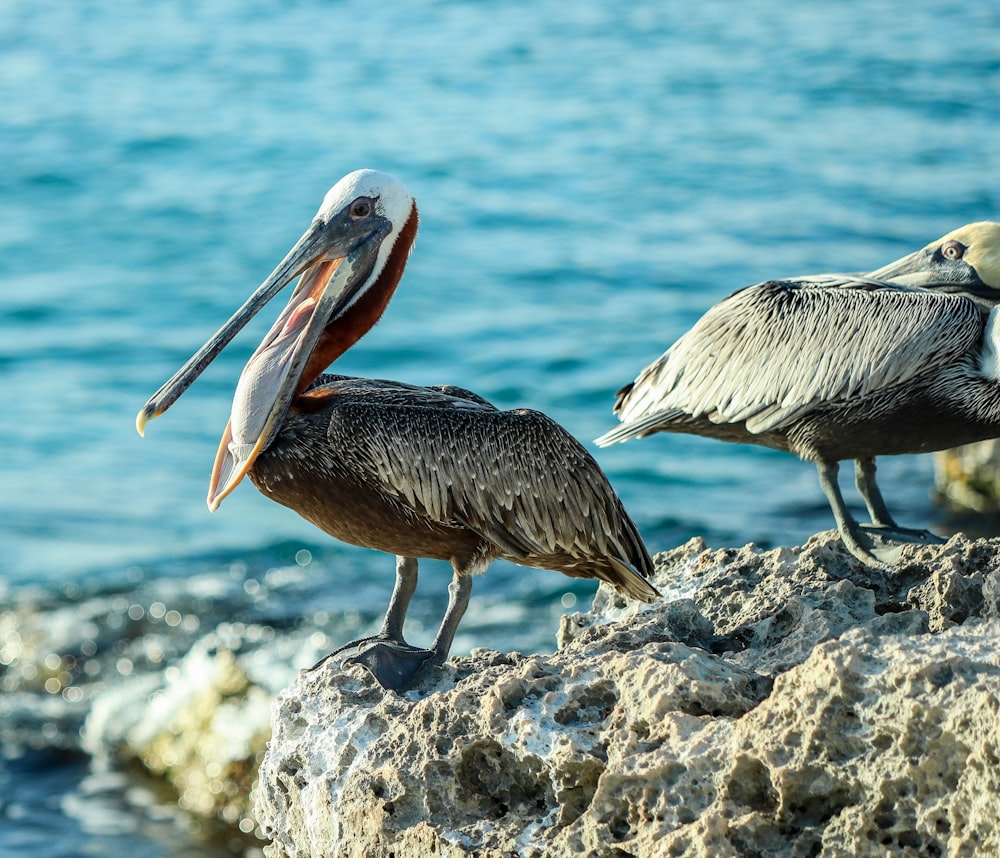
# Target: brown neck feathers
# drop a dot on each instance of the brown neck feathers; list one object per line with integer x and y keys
{"x": 366, "y": 310}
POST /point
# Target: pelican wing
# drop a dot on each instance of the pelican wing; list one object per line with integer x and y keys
{"x": 771, "y": 352}
{"x": 516, "y": 477}
{"x": 398, "y": 392}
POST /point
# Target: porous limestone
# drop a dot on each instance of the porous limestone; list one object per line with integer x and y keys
{"x": 783, "y": 703}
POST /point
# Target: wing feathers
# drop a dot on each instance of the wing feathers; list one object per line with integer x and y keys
{"x": 515, "y": 477}
{"x": 771, "y": 352}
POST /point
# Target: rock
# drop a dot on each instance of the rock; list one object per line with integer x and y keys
{"x": 788, "y": 703}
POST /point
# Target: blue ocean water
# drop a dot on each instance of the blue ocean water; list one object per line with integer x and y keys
{"x": 591, "y": 177}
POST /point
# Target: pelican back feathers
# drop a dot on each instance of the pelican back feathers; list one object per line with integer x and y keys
{"x": 516, "y": 479}
{"x": 771, "y": 353}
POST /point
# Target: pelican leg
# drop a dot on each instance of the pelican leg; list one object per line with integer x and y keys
{"x": 387, "y": 656}
{"x": 459, "y": 592}
{"x": 864, "y": 478}
{"x": 847, "y": 524}
{"x": 888, "y": 530}
{"x": 392, "y": 661}
{"x": 399, "y": 602}
{"x": 880, "y": 543}
{"x": 390, "y": 637}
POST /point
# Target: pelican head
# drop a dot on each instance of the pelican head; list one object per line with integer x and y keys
{"x": 966, "y": 260}
{"x": 350, "y": 260}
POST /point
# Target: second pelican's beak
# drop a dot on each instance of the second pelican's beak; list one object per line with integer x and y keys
{"x": 965, "y": 262}
{"x": 917, "y": 269}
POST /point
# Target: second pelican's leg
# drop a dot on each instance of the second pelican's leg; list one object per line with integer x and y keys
{"x": 877, "y": 545}
{"x": 888, "y": 530}
{"x": 864, "y": 478}
{"x": 850, "y": 531}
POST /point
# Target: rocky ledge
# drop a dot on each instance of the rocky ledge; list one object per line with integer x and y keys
{"x": 784, "y": 703}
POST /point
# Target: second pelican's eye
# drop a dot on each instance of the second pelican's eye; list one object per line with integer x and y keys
{"x": 361, "y": 209}
{"x": 952, "y": 249}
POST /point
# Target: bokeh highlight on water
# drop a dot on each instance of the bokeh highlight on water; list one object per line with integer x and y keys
{"x": 591, "y": 177}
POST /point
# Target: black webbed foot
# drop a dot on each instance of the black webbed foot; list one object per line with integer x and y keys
{"x": 393, "y": 663}
{"x": 352, "y": 645}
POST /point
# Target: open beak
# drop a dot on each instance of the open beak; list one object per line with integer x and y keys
{"x": 333, "y": 268}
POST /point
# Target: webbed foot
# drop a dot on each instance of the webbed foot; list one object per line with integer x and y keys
{"x": 882, "y": 546}
{"x": 393, "y": 663}
{"x": 352, "y": 645}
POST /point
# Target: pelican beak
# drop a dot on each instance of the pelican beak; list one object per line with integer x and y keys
{"x": 270, "y": 379}
{"x": 914, "y": 269}
{"x": 334, "y": 263}
{"x": 929, "y": 269}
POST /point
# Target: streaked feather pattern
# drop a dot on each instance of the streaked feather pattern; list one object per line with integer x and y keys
{"x": 835, "y": 367}
{"x": 771, "y": 353}
{"x": 516, "y": 478}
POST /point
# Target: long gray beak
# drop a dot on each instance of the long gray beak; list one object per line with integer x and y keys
{"x": 306, "y": 252}
{"x": 914, "y": 269}
{"x": 333, "y": 268}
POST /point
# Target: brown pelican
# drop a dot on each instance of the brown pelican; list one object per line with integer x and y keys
{"x": 415, "y": 471}
{"x": 841, "y": 367}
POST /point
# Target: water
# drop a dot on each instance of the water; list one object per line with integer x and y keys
{"x": 591, "y": 177}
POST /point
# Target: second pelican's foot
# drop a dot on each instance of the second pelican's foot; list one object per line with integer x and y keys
{"x": 881, "y": 546}
{"x": 393, "y": 663}
{"x": 904, "y": 535}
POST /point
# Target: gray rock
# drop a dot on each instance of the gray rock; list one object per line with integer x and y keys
{"x": 786, "y": 703}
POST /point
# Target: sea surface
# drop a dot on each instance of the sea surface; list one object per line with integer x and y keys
{"x": 591, "y": 177}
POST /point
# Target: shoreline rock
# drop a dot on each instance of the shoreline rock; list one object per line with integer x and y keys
{"x": 789, "y": 702}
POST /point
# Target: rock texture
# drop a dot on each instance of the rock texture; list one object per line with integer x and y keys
{"x": 781, "y": 703}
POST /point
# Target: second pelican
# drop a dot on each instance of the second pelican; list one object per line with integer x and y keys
{"x": 841, "y": 367}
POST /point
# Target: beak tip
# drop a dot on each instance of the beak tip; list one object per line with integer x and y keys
{"x": 148, "y": 412}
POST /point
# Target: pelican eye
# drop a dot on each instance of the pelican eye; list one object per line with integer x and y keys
{"x": 361, "y": 208}
{"x": 952, "y": 249}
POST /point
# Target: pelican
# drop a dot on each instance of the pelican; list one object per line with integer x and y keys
{"x": 433, "y": 472}
{"x": 837, "y": 367}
